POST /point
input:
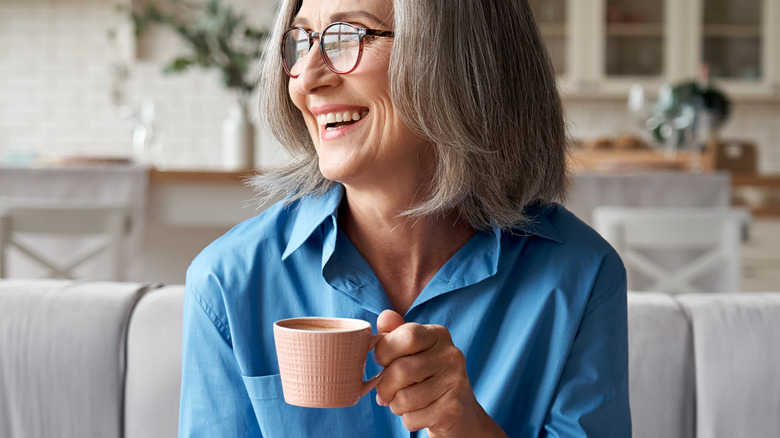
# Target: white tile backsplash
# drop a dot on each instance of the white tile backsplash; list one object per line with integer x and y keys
{"x": 55, "y": 85}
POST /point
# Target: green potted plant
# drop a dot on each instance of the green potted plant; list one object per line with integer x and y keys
{"x": 219, "y": 37}
{"x": 693, "y": 105}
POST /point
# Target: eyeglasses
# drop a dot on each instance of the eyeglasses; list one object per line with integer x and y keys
{"x": 341, "y": 46}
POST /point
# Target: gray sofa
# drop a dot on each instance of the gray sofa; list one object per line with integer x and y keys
{"x": 98, "y": 359}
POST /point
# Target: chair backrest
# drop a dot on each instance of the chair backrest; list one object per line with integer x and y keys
{"x": 676, "y": 250}
{"x": 20, "y": 218}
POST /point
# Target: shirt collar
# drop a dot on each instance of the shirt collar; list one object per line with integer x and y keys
{"x": 311, "y": 211}
{"x": 539, "y": 222}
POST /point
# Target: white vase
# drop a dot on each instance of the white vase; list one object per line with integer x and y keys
{"x": 238, "y": 139}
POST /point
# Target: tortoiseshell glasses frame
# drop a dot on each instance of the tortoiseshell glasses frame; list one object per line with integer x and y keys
{"x": 341, "y": 46}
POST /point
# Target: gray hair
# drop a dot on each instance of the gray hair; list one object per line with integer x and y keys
{"x": 483, "y": 92}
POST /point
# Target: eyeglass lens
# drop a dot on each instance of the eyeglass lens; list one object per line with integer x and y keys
{"x": 340, "y": 46}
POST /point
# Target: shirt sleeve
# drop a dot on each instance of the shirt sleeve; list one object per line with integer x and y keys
{"x": 591, "y": 398}
{"x": 214, "y": 401}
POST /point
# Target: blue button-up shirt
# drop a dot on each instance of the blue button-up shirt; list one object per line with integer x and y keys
{"x": 539, "y": 313}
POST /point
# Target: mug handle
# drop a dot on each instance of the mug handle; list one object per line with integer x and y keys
{"x": 371, "y": 383}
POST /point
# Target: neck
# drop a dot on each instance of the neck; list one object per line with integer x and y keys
{"x": 405, "y": 253}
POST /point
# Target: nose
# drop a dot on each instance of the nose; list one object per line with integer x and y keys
{"x": 314, "y": 74}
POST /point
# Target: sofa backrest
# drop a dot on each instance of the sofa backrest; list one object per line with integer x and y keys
{"x": 661, "y": 367}
{"x": 62, "y": 357}
{"x": 660, "y": 359}
{"x": 154, "y": 365}
{"x": 83, "y": 359}
{"x": 737, "y": 350}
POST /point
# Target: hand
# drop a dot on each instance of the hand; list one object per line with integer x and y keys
{"x": 425, "y": 381}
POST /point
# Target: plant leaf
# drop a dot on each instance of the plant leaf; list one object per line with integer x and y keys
{"x": 178, "y": 65}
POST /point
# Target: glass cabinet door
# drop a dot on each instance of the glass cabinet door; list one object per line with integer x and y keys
{"x": 551, "y": 18}
{"x": 732, "y": 41}
{"x": 634, "y": 35}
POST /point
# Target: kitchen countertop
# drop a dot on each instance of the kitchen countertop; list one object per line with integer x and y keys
{"x": 195, "y": 176}
{"x": 760, "y": 193}
{"x": 772, "y": 181}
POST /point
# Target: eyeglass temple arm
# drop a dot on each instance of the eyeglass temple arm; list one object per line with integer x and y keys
{"x": 381, "y": 33}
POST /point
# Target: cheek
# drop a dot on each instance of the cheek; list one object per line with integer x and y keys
{"x": 375, "y": 68}
{"x": 299, "y": 100}
{"x": 379, "y": 58}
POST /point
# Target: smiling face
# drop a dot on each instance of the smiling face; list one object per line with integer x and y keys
{"x": 356, "y": 130}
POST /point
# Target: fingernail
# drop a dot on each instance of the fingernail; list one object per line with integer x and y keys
{"x": 380, "y": 401}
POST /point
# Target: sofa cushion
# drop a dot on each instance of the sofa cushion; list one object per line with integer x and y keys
{"x": 661, "y": 368}
{"x": 154, "y": 365}
{"x": 737, "y": 350}
{"x": 63, "y": 356}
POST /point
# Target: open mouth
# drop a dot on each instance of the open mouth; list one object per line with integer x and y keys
{"x": 337, "y": 120}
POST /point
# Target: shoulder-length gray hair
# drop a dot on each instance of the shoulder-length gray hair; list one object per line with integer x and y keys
{"x": 471, "y": 76}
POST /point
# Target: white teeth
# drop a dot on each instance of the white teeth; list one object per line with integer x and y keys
{"x": 346, "y": 116}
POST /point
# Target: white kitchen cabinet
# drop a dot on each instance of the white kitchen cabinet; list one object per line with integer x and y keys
{"x": 601, "y": 47}
{"x": 554, "y": 23}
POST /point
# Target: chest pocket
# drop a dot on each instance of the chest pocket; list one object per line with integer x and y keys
{"x": 278, "y": 419}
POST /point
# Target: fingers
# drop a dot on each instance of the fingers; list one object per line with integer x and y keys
{"x": 416, "y": 383}
{"x": 440, "y": 415}
{"x": 425, "y": 366}
{"x": 438, "y": 403}
{"x": 425, "y": 380}
{"x": 408, "y": 339}
{"x": 402, "y": 380}
{"x": 445, "y": 406}
{"x": 443, "y": 364}
{"x": 388, "y": 321}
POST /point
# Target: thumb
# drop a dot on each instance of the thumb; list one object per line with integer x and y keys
{"x": 388, "y": 321}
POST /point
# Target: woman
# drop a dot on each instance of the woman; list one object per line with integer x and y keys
{"x": 428, "y": 148}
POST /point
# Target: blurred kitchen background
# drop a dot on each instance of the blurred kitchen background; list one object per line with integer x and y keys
{"x": 69, "y": 88}
{"x": 685, "y": 86}
{"x": 59, "y": 72}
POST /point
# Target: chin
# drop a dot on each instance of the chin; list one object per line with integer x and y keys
{"x": 333, "y": 172}
{"x": 344, "y": 164}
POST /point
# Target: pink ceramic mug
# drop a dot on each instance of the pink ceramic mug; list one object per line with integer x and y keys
{"x": 322, "y": 360}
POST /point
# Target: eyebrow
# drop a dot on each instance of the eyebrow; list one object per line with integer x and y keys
{"x": 348, "y": 16}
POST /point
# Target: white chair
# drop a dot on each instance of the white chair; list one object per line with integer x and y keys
{"x": 20, "y": 219}
{"x": 676, "y": 250}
